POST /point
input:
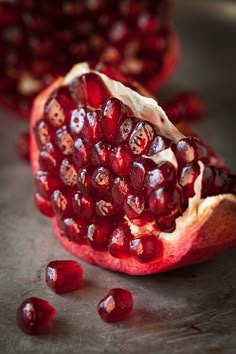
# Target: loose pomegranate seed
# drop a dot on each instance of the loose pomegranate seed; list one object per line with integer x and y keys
{"x": 121, "y": 187}
{"x": 164, "y": 201}
{"x": 146, "y": 248}
{"x": 34, "y": 314}
{"x": 141, "y": 138}
{"x": 134, "y": 205}
{"x": 121, "y": 160}
{"x": 98, "y": 235}
{"x": 114, "y": 113}
{"x": 116, "y": 305}
{"x": 22, "y": 146}
{"x": 100, "y": 154}
{"x": 119, "y": 242}
{"x": 64, "y": 276}
{"x": 43, "y": 205}
{"x": 189, "y": 150}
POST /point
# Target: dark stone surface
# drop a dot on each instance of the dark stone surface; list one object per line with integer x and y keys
{"x": 191, "y": 310}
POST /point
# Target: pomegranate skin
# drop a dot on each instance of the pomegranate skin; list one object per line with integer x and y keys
{"x": 198, "y": 234}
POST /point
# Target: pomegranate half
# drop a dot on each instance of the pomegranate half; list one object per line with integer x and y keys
{"x": 129, "y": 192}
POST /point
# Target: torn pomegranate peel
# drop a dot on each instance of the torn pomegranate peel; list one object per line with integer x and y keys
{"x": 133, "y": 167}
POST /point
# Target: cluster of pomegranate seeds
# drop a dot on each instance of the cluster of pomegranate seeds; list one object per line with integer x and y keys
{"x": 34, "y": 314}
{"x": 98, "y": 174}
{"x": 39, "y": 42}
{"x": 63, "y": 276}
{"x": 116, "y": 305}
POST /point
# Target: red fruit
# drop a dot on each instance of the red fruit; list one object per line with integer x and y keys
{"x": 176, "y": 204}
{"x": 34, "y": 314}
{"x": 41, "y": 43}
{"x": 43, "y": 205}
{"x": 116, "y": 305}
{"x": 63, "y": 276}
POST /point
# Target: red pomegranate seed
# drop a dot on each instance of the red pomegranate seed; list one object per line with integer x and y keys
{"x": 100, "y": 154}
{"x": 89, "y": 90}
{"x": 23, "y": 146}
{"x": 43, "y": 205}
{"x": 64, "y": 140}
{"x": 188, "y": 176}
{"x": 61, "y": 202}
{"x": 63, "y": 276}
{"x": 34, "y": 314}
{"x": 84, "y": 182}
{"x": 84, "y": 206}
{"x": 166, "y": 223}
{"x": 141, "y": 138}
{"x": 91, "y": 131}
{"x": 98, "y": 235}
{"x": 164, "y": 201}
{"x": 126, "y": 129}
{"x": 134, "y": 206}
{"x": 68, "y": 173}
{"x": 114, "y": 113}
{"x": 81, "y": 153}
{"x": 121, "y": 187}
{"x": 77, "y": 121}
{"x": 119, "y": 242}
{"x": 58, "y": 108}
{"x": 190, "y": 149}
{"x": 146, "y": 248}
{"x": 102, "y": 179}
{"x": 43, "y": 133}
{"x": 163, "y": 174}
{"x": 105, "y": 208}
{"x": 49, "y": 158}
{"x": 139, "y": 170}
{"x": 46, "y": 184}
{"x": 116, "y": 305}
{"x": 121, "y": 160}
{"x": 158, "y": 144}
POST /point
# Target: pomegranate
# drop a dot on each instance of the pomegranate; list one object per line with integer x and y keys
{"x": 141, "y": 197}
{"x": 39, "y": 42}
{"x": 116, "y": 305}
{"x": 63, "y": 276}
{"x": 34, "y": 314}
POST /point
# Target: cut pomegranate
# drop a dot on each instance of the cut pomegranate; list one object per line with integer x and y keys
{"x": 39, "y": 43}
{"x": 116, "y": 305}
{"x": 34, "y": 314}
{"x": 63, "y": 276}
{"x": 144, "y": 198}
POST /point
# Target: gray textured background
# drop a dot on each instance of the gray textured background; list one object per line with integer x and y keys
{"x": 191, "y": 310}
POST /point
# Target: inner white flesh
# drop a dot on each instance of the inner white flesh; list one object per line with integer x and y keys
{"x": 146, "y": 109}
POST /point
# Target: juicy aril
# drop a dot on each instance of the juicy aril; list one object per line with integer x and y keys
{"x": 40, "y": 41}
{"x": 128, "y": 191}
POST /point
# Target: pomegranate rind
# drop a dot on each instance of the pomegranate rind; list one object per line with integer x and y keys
{"x": 206, "y": 229}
